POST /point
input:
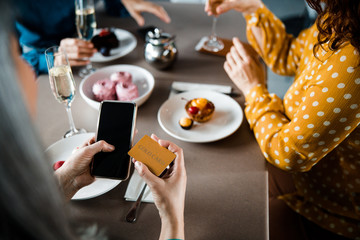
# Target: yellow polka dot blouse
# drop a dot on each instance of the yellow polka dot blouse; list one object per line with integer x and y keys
{"x": 313, "y": 131}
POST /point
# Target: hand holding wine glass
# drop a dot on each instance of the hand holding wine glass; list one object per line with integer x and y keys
{"x": 85, "y": 25}
{"x": 62, "y": 82}
{"x": 78, "y": 51}
{"x": 212, "y": 7}
{"x": 213, "y": 43}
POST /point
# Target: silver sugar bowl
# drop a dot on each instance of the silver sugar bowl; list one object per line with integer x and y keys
{"x": 160, "y": 50}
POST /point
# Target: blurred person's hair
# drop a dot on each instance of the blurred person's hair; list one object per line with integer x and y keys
{"x": 31, "y": 204}
{"x": 338, "y": 23}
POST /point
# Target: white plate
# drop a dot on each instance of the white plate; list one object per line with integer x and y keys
{"x": 127, "y": 43}
{"x": 141, "y": 77}
{"x": 63, "y": 148}
{"x": 227, "y": 117}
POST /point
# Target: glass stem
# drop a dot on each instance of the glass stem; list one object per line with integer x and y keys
{"x": 213, "y": 29}
{"x": 71, "y": 121}
{"x": 89, "y": 66}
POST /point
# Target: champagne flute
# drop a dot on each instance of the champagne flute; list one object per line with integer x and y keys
{"x": 62, "y": 83}
{"x": 212, "y": 42}
{"x": 85, "y": 24}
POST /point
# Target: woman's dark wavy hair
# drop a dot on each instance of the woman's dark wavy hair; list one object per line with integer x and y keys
{"x": 338, "y": 23}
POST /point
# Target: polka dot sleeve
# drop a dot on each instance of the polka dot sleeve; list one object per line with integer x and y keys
{"x": 319, "y": 111}
{"x": 280, "y": 51}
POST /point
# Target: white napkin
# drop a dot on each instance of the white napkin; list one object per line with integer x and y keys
{"x": 186, "y": 86}
{"x": 134, "y": 188}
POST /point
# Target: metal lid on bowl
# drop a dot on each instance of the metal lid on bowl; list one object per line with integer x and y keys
{"x": 157, "y": 37}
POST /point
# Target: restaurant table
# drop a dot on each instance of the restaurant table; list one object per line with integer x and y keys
{"x": 226, "y": 195}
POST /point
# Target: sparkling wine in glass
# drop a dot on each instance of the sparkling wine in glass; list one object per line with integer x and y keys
{"x": 212, "y": 42}
{"x": 62, "y": 83}
{"x": 85, "y": 24}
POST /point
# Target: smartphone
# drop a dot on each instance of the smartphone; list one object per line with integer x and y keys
{"x": 116, "y": 125}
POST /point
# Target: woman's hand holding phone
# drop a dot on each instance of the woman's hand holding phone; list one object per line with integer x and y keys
{"x": 75, "y": 172}
{"x": 168, "y": 192}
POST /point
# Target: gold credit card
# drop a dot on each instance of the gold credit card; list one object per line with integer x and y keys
{"x": 152, "y": 154}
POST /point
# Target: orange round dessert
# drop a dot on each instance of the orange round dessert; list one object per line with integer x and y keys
{"x": 200, "y": 109}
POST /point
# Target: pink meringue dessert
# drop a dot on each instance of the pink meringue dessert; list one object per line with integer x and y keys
{"x": 121, "y": 77}
{"x": 118, "y": 87}
{"x": 104, "y": 90}
{"x": 126, "y": 92}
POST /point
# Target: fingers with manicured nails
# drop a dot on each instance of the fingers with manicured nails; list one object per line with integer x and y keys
{"x": 145, "y": 173}
{"x": 153, "y": 136}
{"x": 163, "y": 143}
{"x": 171, "y": 146}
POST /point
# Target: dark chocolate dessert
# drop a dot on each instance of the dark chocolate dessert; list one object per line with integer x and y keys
{"x": 105, "y": 41}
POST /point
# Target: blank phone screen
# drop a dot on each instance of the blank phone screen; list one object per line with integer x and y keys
{"x": 115, "y": 126}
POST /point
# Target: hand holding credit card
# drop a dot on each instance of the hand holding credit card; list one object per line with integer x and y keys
{"x": 152, "y": 154}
